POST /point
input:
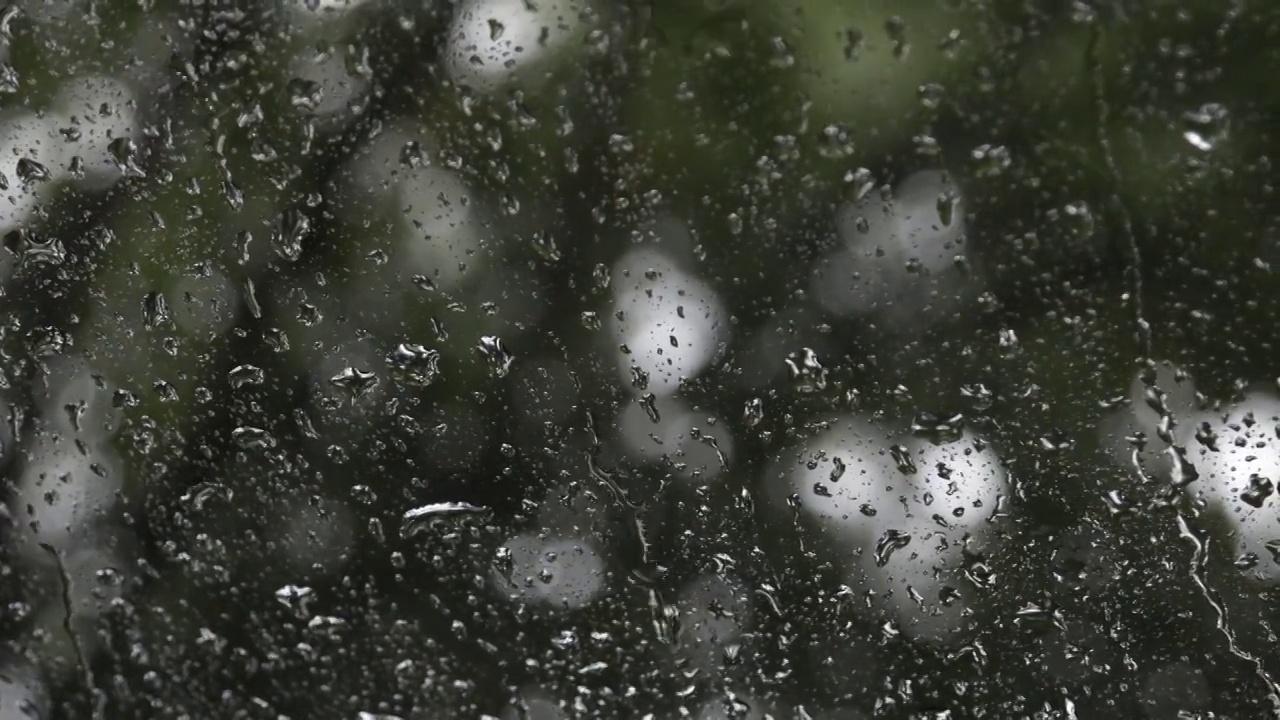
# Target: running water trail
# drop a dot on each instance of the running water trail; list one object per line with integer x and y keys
{"x": 86, "y": 670}
{"x": 1133, "y": 275}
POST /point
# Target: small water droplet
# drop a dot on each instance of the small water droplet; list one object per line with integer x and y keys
{"x": 807, "y": 373}
{"x": 889, "y": 542}
{"x": 496, "y": 30}
{"x": 1206, "y": 127}
{"x": 416, "y": 364}
{"x": 288, "y": 232}
{"x": 124, "y": 152}
{"x": 496, "y": 353}
{"x": 155, "y": 310}
{"x": 412, "y": 155}
{"x": 202, "y": 494}
{"x": 297, "y": 598}
{"x": 251, "y": 438}
{"x": 242, "y": 375}
{"x": 29, "y": 171}
{"x": 930, "y": 95}
{"x": 1259, "y": 489}
{"x": 306, "y": 94}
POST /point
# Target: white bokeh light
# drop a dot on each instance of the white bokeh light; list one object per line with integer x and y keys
{"x": 440, "y": 239}
{"x": 672, "y": 322}
{"x": 62, "y": 491}
{"x": 1246, "y": 445}
{"x": 559, "y": 572}
{"x": 1226, "y": 446}
{"x": 99, "y": 110}
{"x": 494, "y": 41}
{"x": 849, "y": 481}
{"x": 900, "y": 256}
{"x": 714, "y": 615}
{"x": 23, "y": 695}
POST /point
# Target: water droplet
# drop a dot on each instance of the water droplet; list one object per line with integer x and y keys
{"x": 252, "y": 438}
{"x": 1259, "y": 489}
{"x": 1206, "y": 127}
{"x": 415, "y": 363}
{"x": 937, "y": 428}
{"x": 499, "y": 357}
{"x": 288, "y": 232}
{"x": 9, "y": 79}
{"x": 992, "y": 160}
{"x": 297, "y": 598}
{"x": 124, "y": 152}
{"x": 155, "y": 310}
{"x": 784, "y": 56}
{"x": 242, "y": 375}
{"x": 947, "y": 202}
{"x": 232, "y": 192}
{"x": 836, "y": 142}
{"x": 649, "y": 402}
{"x": 29, "y": 171}
{"x": 203, "y": 493}
{"x": 355, "y": 383}
{"x": 930, "y": 95}
{"x": 496, "y": 30}
{"x": 412, "y": 155}
{"x": 902, "y": 457}
{"x": 753, "y": 412}
{"x": 807, "y": 373}
{"x": 420, "y": 518}
{"x": 306, "y": 94}
{"x": 889, "y": 542}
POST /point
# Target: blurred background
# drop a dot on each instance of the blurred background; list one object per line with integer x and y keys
{"x": 668, "y": 359}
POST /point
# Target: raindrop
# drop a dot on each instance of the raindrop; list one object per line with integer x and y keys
{"x": 288, "y": 232}
{"x": 252, "y": 438}
{"x": 155, "y": 311}
{"x": 297, "y": 598}
{"x": 412, "y": 155}
{"x": 306, "y": 94}
{"x": 124, "y": 151}
{"x": 416, "y": 520}
{"x": 499, "y": 357}
{"x": 1259, "y": 489}
{"x": 202, "y": 494}
{"x": 753, "y": 412}
{"x": 242, "y": 375}
{"x": 930, "y": 95}
{"x": 416, "y": 364}
{"x": 888, "y": 543}
{"x": 1206, "y": 127}
{"x": 355, "y": 383}
{"x": 29, "y": 171}
{"x": 807, "y": 373}
{"x": 937, "y": 428}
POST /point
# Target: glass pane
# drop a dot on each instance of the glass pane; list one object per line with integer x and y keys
{"x": 549, "y": 359}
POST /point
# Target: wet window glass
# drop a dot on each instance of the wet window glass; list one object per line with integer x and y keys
{"x": 551, "y": 359}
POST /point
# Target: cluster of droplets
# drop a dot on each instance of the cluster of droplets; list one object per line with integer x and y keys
{"x": 916, "y": 510}
{"x": 669, "y": 326}
{"x": 1224, "y": 456}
